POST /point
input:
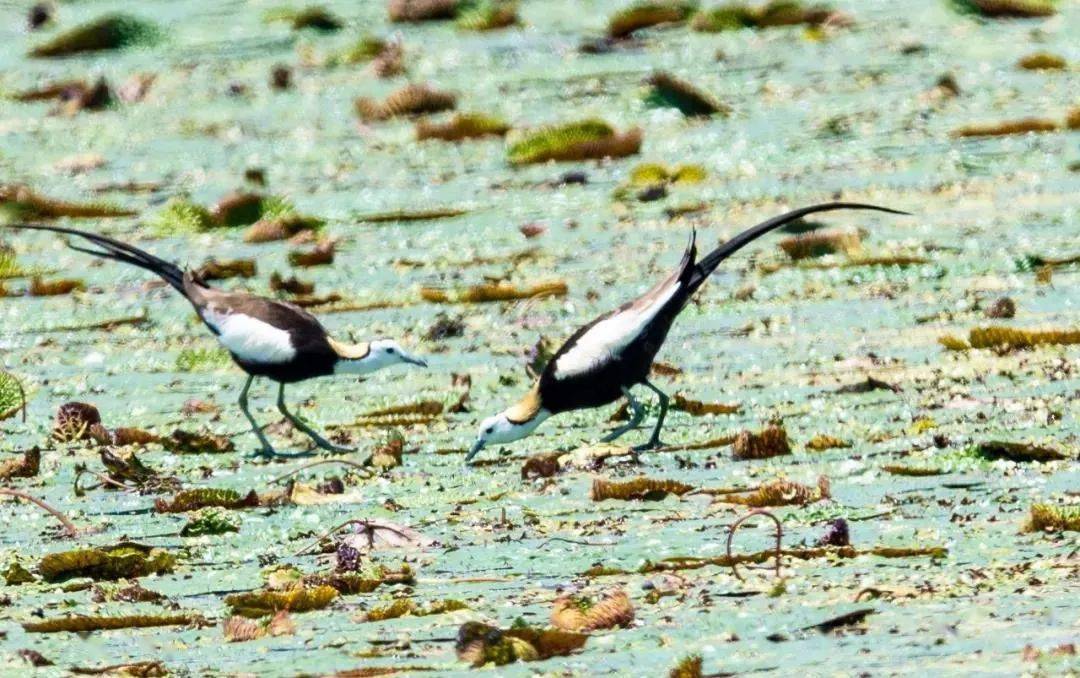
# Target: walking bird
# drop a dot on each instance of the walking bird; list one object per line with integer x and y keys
{"x": 603, "y": 360}
{"x": 266, "y": 338}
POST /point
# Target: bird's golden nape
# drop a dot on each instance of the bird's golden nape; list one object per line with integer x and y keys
{"x": 514, "y": 423}
{"x": 349, "y": 351}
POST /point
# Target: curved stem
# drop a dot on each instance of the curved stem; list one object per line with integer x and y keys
{"x": 740, "y": 521}
{"x": 68, "y": 525}
{"x": 369, "y": 530}
{"x": 347, "y": 462}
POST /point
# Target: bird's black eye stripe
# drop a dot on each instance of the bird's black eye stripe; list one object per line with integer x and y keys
{"x": 389, "y": 350}
{"x": 489, "y": 429}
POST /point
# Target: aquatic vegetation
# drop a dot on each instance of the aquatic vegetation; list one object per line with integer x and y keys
{"x": 1042, "y": 61}
{"x": 422, "y": 10}
{"x": 241, "y": 629}
{"x": 412, "y": 215}
{"x": 688, "y": 667}
{"x": 410, "y": 100}
{"x": 819, "y": 244}
{"x": 666, "y": 90}
{"x": 770, "y": 442}
{"x": 263, "y": 603}
{"x": 487, "y": 15}
{"x": 822, "y": 442}
{"x": 314, "y": 17}
{"x": 180, "y": 215}
{"x": 493, "y": 292}
{"x": 639, "y": 489}
{"x": 211, "y": 520}
{"x": 998, "y": 129}
{"x": 580, "y": 613}
{"x": 407, "y": 607}
{"x": 1009, "y": 9}
{"x": 648, "y": 13}
{"x": 1018, "y": 452}
{"x": 26, "y": 466}
{"x": 19, "y": 203}
{"x": 480, "y": 644}
{"x": 780, "y": 493}
{"x": 698, "y": 408}
{"x": 225, "y": 269}
{"x": 202, "y": 359}
{"x": 126, "y": 560}
{"x": 270, "y": 229}
{"x": 734, "y": 16}
{"x": 583, "y": 140}
{"x": 54, "y": 288}
{"x": 1051, "y": 518}
{"x": 87, "y": 623}
{"x": 347, "y": 583}
{"x": 1008, "y": 338}
{"x": 193, "y": 442}
{"x": 12, "y": 396}
{"x": 462, "y": 126}
{"x": 112, "y": 31}
{"x": 912, "y": 471}
{"x": 192, "y": 500}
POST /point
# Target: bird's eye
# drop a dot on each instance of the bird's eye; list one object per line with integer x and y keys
{"x": 389, "y": 350}
{"x": 488, "y": 430}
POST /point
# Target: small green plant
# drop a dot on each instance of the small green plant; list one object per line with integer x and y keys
{"x": 112, "y": 31}
{"x": 202, "y": 359}
{"x": 210, "y": 521}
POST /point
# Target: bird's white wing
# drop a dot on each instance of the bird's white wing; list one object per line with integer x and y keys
{"x": 606, "y": 339}
{"x": 250, "y": 339}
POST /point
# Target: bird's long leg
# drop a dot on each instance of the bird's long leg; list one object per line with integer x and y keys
{"x": 654, "y": 440}
{"x": 636, "y": 414}
{"x": 307, "y": 430}
{"x": 267, "y": 449}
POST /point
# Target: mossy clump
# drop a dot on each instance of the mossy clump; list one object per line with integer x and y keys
{"x": 413, "y": 99}
{"x": 87, "y": 623}
{"x": 770, "y": 442}
{"x": 579, "y": 613}
{"x": 263, "y": 603}
{"x": 648, "y": 13}
{"x": 1007, "y": 9}
{"x": 494, "y": 292}
{"x": 480, "y": 644}
{"x": 12, "y": 395}
{"x": 688, "y": 667}
{"x": 582, "y": 140}
{"x": 126, "y": 560}
{"x": 112, "y": 31}
{"x": 462, "y": 126}
{"x": 195, "y": 499}
{"x": 488, "y": 15}
{"x": 179, "y": 216}
{"x": 1042, "y": 61}
{"x": 656, "y": 174}
{"x": 238, "y": 209}
{"x": 210, "y": 521}
{"x": 1051, "y": 518}
{"x": 1008, "y": 338}
{"x": 639, "y": 489}
{"x": 412, "y": 11}
{"x": 821, "y": 243}
{"x": 407, "y": 607}
{"x": 994, "y": 450}
{"x": 19, "y": 203}
{"x": 666, "y": 90}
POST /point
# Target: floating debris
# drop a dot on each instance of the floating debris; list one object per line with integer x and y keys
{"x": 580, "y": 613}
{"x": 779, "y": 493}
{"x": 479, "y": 644}
{"x": 320, "y": 255}
{"x": 488, "y": 15}
{"x": 735, "y": 16}
{"x": 639, "y": 489}
{"x": 666, "y": 90}
{"x": 1007, "y": 9}
{"x": 241, "y": 629}
{"x": 19, "y": 203}
{"x": 202, "y": 360}
{"x": 494, "y": 292}
{"x": 126, "y": 560}
{"x": 264, "y": 603}
{"x": 238, "y": 209}
{"x": 584, "y": 140}
{"x": 1050, "y": 518}
{"x": 412, "y": 215}
{"x": 193, "y": 500}
{"x": 698, "y": 408}
{"x": 770, "y": 442}
{"x": 913, "y": 471}
{"x": 868, "y": 385}
{"x": 998, "y": 129}
{"x": 290, "y": 285}
{"x": 281, "y": 227}
{"x": 407, "y": 607}
{"x": 822, "y": 442}
{"x": 226, "y": 269}
{"x": 819, "y": 244}
{"x": 316, "y": 17}
{"x": 1042, "y": 61}
{"x": 26, "y": 466}
{"x": 688, "y": 667}
{"x": 86, "y": 623}
{"x": 413, "y": 99}
{"x": 1002, "y": 308}
{"x": 192, "y": 442}
{"x": 210, "y": 521}
{"x": 112, "y": 31}
{"x": 422, "y": 10}
{"x": 1018, "y": 452}
{"x": 646, "y": 14}
{"x": 836, "y": 534}
{"x": 462, "y": 126}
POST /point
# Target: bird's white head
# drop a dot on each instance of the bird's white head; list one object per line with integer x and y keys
{"x": 513, "y": 423}
{"x": 365, "y": 358}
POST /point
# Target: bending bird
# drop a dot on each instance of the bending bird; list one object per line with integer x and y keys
{"x": 603, "y": 360}
{"x": 266, "y": 338}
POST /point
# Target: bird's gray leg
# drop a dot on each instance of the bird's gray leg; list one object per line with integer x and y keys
{"x": 267, "y": 449}
{"x": 307, "y": 430}
{"x": 654, "y": 440}
{"x": 636, "y": 414}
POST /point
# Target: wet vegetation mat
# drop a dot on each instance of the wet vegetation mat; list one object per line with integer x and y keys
{"x": 870, "y": 462}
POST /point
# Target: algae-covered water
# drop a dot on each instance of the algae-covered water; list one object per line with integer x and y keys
{"x": 853, "y": 112}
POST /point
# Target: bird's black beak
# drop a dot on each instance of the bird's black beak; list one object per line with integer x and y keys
{"x": 477, "y": 446}
{"x": 416, "y": 361}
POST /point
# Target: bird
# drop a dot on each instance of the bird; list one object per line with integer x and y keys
{"x": 607, "y": 357}
{"x": 265, "y": 337}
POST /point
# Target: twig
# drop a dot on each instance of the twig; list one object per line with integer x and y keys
{"x": 68, "y": 525}
{"x": 310, "y": 464}
{"x": 105, "y": 480}
{"x": 22, "y": 397}
{"x": 575, "y": 541}
{"x": 740, "y": 521}
{"x": 369, "y": 530}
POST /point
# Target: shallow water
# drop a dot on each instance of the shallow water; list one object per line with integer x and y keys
{"x": 979, "y": 205}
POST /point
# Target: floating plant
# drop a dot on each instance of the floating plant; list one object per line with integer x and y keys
{"x": 580, "y": 613}
{"x": 112, "y": 31}
{"x": 422, "y": 10}
{"x": 584, "y": 140}
{"x": 263, "y": 603}
{"x": 646, "y": 14}
{"x": 408, "y": 101}
{"x": 126, "y": 560}
{"x": 487, "y": 15}
{"x": 770, "y": 442}
{"x": 666, "y": 90}
{"x": 479, "y": 644}
{"x": 462, "y": 126}
{"x": 19, "y": 203}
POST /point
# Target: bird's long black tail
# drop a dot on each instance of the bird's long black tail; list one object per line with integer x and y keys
{"x": 118, "y": 251}
{"x": 708, "y": 263}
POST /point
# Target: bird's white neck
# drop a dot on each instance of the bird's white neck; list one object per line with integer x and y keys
{"x": 365, "y": 365}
